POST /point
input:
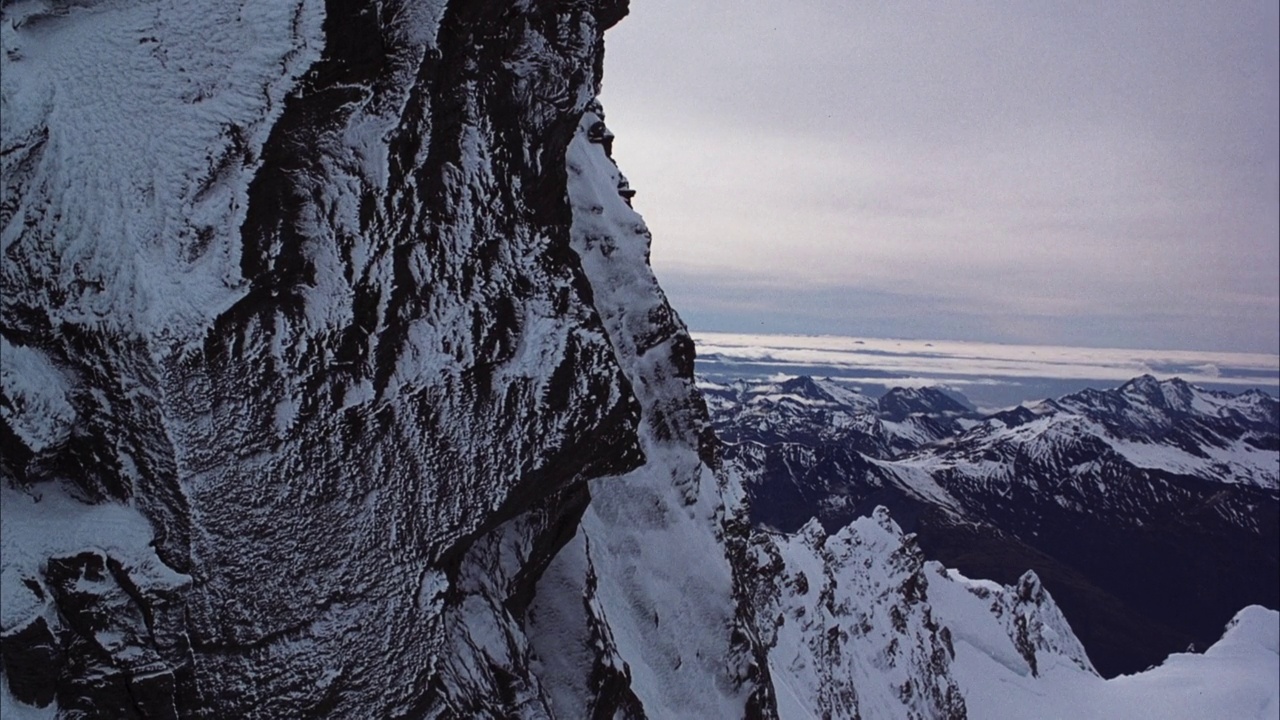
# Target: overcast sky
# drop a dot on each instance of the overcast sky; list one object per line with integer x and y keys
{"x": 1068, "y": 173}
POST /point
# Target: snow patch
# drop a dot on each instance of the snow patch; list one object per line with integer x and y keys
{"x": 37, "y": 409}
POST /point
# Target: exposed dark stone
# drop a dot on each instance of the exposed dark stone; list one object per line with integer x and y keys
{"x": 33, "y": 660}
{"x": 113, "y": 668}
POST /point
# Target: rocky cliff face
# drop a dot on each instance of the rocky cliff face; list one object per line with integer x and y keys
{"x": 299, "y": 308}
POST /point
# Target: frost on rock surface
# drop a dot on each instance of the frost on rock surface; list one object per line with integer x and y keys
{"x": 293, "y": 287}
{"x": 646, "y": 594}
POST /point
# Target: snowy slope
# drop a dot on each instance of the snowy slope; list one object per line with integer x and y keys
{"x": 649, "y": 560}
{"x": 860, "y": 625}
{"x": 1235, "y": 679}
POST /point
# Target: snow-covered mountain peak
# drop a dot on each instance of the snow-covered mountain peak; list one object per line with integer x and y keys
{"x": 1018, "y": 626}
{"x": 1174, "y": 394}
{"x": 848, "y": 626}
{"x": 1108, "y": 494}
{"x": 883, "y": 519}
{"x": 1252, "y": 626}
{"x": 899, "y": 403}
{"x": 1145, "y": 384}
{"x": 846, "y": 612}
{"x": 1155, "y": 406}
{"x": 828, "y": 412}
{"x": 1169, "y": 426}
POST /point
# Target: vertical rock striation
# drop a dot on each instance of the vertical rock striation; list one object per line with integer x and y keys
{"x": 299, "y": 298}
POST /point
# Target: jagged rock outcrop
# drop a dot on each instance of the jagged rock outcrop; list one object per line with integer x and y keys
{"x": 1024, "y": 617}
{"x": 859, "y": 624}
{"x": 850, "y": 629}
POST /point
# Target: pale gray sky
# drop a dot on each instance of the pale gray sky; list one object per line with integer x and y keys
{"x": 1081, "y": 173}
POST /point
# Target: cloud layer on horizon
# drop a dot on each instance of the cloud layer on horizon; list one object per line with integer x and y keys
{"x": 971, "y": 363}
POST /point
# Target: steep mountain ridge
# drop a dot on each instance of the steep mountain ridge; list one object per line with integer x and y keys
{"x": 1151, "y": 508}
{"x": 651, "y": 560}
{"x": 1168, "y": 426}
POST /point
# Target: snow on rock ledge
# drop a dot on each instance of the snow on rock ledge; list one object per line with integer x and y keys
{"x": 131, "y": 133}
{"x": 850, "y": 627}
{"x": 87, "y": 573}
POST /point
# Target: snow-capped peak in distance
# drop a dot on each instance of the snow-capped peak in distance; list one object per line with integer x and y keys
{"x": 1151, "y": 507}
{"x": 898, "y": 421}
{"x": 1167, "y": 425}
{"x": 899, "y": 403}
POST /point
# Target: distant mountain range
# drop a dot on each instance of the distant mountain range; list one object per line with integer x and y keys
{"x": 1149, "y": 510}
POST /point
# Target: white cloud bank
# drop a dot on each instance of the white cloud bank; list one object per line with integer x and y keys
{"x": 975, "y": 363}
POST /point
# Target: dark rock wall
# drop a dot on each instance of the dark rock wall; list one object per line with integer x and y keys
{"x": 359, "y": 465}
{"x": 485, "y": 382}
